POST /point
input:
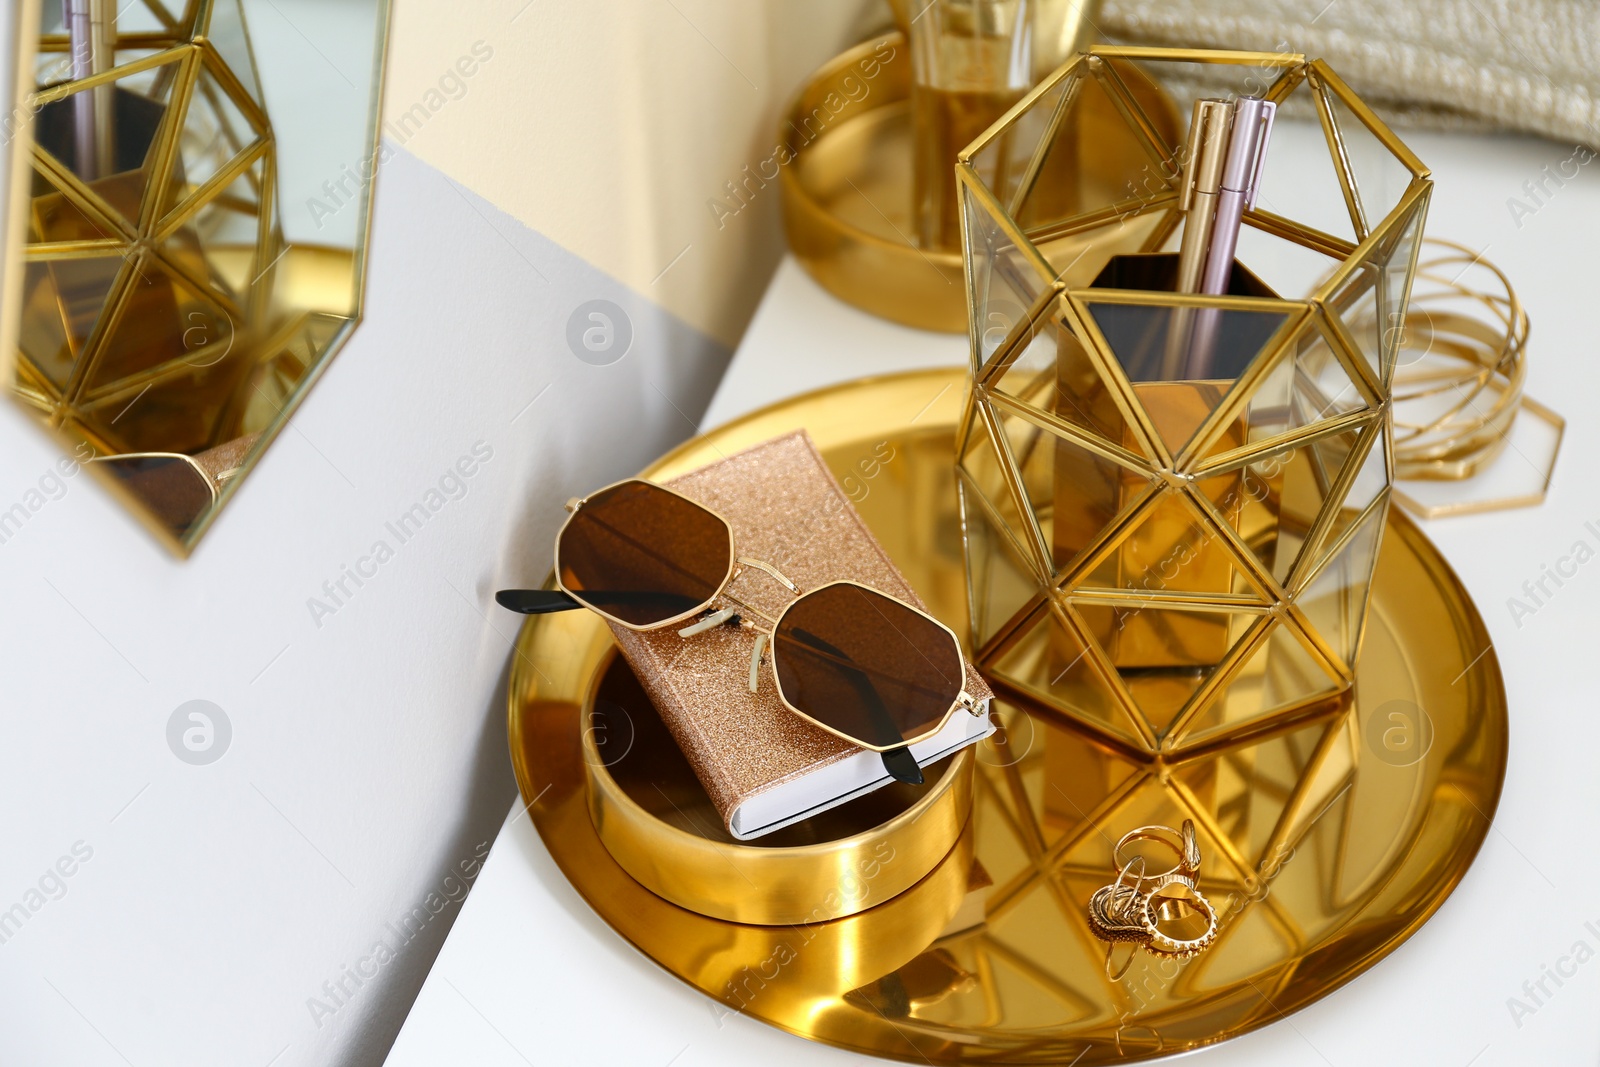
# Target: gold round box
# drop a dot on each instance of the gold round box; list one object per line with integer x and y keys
{"x": 840, "y": 870}
{"x": 845, "y": 166}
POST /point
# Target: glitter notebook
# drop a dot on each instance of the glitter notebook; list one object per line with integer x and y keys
{"x": 763, "y": 766}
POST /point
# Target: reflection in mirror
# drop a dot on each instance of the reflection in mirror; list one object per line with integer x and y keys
{"x": 189, "y": 252}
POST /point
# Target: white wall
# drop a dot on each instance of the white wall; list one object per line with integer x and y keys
{"x": 208, "y": 905}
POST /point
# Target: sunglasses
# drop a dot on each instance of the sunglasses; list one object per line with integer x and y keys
{"x": 859, "y": 663}
{"x": 176, "y": 488}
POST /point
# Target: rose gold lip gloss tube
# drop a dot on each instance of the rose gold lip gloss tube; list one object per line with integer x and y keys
{"x": 1241, "y": 182}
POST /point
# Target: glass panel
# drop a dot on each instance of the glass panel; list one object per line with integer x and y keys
{"x": 1288, "y": 268}
{"x": 1398, "y": 271}
{"x": 1090, "y": 489}
{"x": 61, "y": 302}
{"x": 1335, "y": 599}
{"x": 106, "y": 137}
{"x": 215, "y": 131}
{"x": 1371, "y": 480}
{"x": 221, "y": 241}
{"x": 1000, "y": 581}
{"x": 1007, "y": 161}
{"x": 986, "y": 473}
{"x": 53, "y": 62}
{"x": 1128, "y": 171}
{"x": 1356, "y": 304}
{"x": 1171, "y": 548}
{"x": 1004, "y": 283}
{"x": 162, "y": 317}
{"x": 1055, "y": 374}
{"x": 1139, "y": 337}
{"x": 145, "y": 16}
{"x": 1078, "y": 255}
{"x": 229, "y": 36}
{"x": 1273, "y": 501}
{"x": 183, "y": 405}
{"x": 1162, "y": 653}
{"x": 1187, "y": 82}
{"x": 54, "y": 217}
{"x": 1300, "y": 176}
{"x": 1320, "y": 388}
{"x": 1307, "y": 386}
{"x": 278, "y": 374}
{"x": 1054, "y": 664}
{"x": 52, "y": 68}
{"x": 1372, "y": 302}
{"x": 1279, "y": 675}
{"x": 1377, "y": 173}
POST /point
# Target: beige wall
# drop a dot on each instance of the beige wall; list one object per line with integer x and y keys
{"x": 607, "y": 125}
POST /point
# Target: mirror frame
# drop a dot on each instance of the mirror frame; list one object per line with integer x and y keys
{"x": 17, "y": 169}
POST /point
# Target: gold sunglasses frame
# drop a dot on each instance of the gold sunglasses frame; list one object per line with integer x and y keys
{"x": 963, "y": 701}
{"x": 212, "y": 483}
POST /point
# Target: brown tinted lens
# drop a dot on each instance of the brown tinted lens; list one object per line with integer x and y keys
{"x": 642, "y": 554}
{"x": 172, "y": 487}
{"x": 866, "y": 665}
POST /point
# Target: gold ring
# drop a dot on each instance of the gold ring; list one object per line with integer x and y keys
{"x": 1116, "y": 910}
{"x": 1176, "y": 906}
{"x": 1185, "y": 850}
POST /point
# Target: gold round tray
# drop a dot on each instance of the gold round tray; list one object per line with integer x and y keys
{"x": 847, "y": 192}
{"x": 1326, "y": 846}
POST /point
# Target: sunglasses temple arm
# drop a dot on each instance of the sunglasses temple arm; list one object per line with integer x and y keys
{"x": 902, "y": 765}
{"x": 535, "y": 601}
{"x": 899, "y": 762}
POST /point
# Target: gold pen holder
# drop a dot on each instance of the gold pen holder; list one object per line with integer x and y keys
{"x": 152, "y": 246}
{"x": 1172, "y": 503}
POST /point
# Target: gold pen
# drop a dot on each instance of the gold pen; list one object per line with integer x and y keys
{"x": 1202, "y": 182}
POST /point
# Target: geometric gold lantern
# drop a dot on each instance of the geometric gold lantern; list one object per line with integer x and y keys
{"x": 164, "y": 325}
{"x": 1177, "y": 556}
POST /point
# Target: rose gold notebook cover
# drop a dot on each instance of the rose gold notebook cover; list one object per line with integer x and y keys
{"x": 750, "y": 752}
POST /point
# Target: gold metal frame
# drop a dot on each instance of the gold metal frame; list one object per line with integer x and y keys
{"x": 963, "y": 701}
{"x": 575, "y": 505}
{"x": 185, "y": 47}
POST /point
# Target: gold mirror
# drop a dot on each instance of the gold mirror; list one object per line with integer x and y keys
{"x": 186, "y": 241}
